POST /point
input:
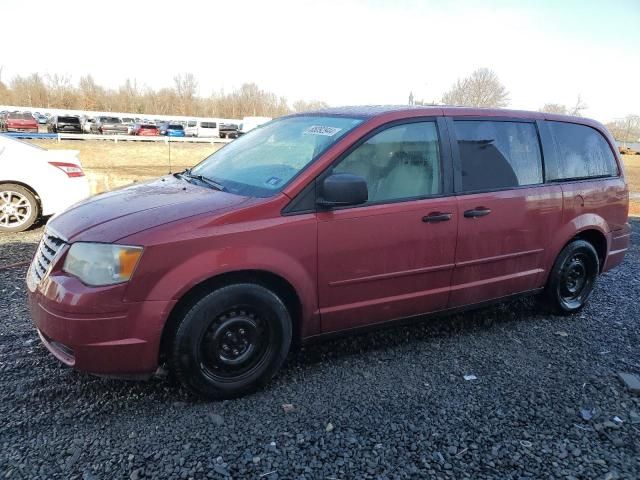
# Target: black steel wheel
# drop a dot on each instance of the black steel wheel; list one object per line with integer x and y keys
{"x": 231, "y": 341}
{"x": 572, "y": 278}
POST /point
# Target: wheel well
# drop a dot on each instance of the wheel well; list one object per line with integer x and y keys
{"x": 599, "y": 242}
{"x": 28, "y": 187}
{"x": 271, "y": 281}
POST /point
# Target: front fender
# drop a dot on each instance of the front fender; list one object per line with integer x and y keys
{"x": 168, "y": 271}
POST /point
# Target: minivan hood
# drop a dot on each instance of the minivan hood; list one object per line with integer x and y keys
{"x": 117, "y": 214}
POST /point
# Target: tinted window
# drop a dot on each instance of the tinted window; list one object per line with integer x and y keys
{"x": 20, "y": 116}
{"x": 397, "y": 163}
{"x": 175, "y": 127}
{"x": 69, "y": 120}
{"x": 208, "y": 125}
{"x": 582, "y": 151}
{"x": 497, "y": 155}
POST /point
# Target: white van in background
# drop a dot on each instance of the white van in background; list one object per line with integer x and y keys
{"x": 202, "y": 128}
{"x": 249, "y": 123}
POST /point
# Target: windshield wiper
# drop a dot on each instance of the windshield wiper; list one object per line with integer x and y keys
{"x": 203, "y": 179}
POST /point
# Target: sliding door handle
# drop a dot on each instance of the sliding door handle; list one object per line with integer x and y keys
{"x": 477, "y": 212}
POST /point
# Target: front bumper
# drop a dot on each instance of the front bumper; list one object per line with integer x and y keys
{"x": 22, "y": 129}
{"x": 93, "y": 330}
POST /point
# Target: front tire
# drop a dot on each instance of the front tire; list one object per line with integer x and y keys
{"x": 19, "y": 208}
{"x": 231, "y": 341}
{"x": 572, "y": 278}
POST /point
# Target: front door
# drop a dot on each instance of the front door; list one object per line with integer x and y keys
{"x": 392, "y": 257}
{"x": 507, "y": 215}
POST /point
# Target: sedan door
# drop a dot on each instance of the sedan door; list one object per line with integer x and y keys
{"x": 393, "y": 256}
{"x": 507, "y": 214}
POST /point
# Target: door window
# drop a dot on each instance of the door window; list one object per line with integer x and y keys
{"x": 398, "y": 163}
{"x": 496, "y": 155}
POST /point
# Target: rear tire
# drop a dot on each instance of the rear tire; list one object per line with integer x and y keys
{"x": 572, "y": 278}
{"x": 19, "y": 208}
{"x": 231, "y": 341}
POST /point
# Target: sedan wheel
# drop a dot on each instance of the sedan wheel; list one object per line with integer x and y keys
{"x": 18, "y": 208}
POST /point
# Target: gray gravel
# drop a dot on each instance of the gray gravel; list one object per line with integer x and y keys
{"x": 390, "y": 404}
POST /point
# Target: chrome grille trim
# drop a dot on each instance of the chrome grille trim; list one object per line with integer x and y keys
{"x": 51, "y": 245}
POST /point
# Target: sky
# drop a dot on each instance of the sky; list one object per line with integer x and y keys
{"x": 343, "y": 52}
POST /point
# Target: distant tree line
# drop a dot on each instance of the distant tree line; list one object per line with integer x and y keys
{"x": 57, "y": 91}
{"x": 482, "y": 88}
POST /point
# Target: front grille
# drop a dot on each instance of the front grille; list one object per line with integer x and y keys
{"x": 49, "y": 248}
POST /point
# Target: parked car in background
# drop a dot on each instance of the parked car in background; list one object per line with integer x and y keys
{"x": 631, "y": 148}
{"x": 249, "y": 123}
{"x": 202, "y": 128}
{"x": 171, "y": 130}
{"x": 42, "y": 119}
{"x": 18, "y": 122}
{"x": 35, "y": 182}
{"x": 228, "y": 130}
{"x": 86, "y": 124}
{"x": 64, "y": 124}
{"x": 321, "y": 223}
{"x": 108, "y": 125}
{"x": 129, "y": 122}
{"x": 145, "y": 129}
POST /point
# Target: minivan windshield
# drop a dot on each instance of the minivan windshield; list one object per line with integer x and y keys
{"x": 263, "y": 161}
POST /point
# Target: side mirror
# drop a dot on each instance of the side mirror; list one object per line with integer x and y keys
{"x": 343, "y": 189}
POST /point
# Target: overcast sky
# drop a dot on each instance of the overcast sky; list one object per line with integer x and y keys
{"x": 342, "y": 52}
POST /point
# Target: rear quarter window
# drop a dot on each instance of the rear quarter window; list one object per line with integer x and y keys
{"x": 582, "y": 153}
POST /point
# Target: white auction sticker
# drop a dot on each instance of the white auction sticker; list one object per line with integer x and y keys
{"x": 322, "y": 130}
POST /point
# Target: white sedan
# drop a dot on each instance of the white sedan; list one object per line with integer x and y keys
{"x": 35, "y": 183}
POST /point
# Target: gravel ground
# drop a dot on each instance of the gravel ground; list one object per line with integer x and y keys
{"x": 389, "y": 404}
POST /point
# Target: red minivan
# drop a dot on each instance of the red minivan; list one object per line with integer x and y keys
{"x": 326, "y": 222}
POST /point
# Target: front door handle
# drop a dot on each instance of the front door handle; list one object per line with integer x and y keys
{"x": 477, "y": 212}
{"x": 435, "y": 217}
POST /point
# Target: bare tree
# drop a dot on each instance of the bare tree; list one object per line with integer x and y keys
{"x": 480, "y": 89}
{"x": 5, "y": 93}
{"x": 626, "y": 129}
{"x": 30, "y": 91}
{"x": 575, "y": 110}
{"x": 60, "y": 91}
{"x": 186, "y": 87}
{"x": 304, "y": 106}
{"x": 554, "y": 108}
{"x": 179, "y": 99}
{"x": 578, "y": 107}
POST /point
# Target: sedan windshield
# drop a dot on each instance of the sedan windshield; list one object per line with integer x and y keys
{"x": 264, "y": 160}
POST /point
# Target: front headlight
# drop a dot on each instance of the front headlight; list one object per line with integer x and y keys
{"x": 99, "y": 264}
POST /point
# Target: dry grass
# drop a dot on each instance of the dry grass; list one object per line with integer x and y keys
{"x": 96, "y": 154}
{"x": 632, "y": 171}
{"x": 110, "y": 165}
